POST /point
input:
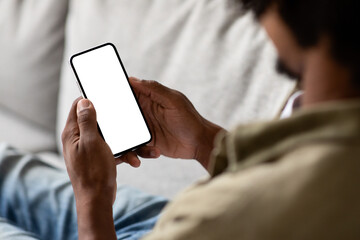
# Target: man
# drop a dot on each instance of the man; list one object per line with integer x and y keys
{"x": 290, "y": 179}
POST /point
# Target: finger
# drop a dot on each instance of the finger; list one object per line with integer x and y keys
{"x": 86, "y": 119}
{"x": 131, "y": 158}
{"x": 71, "y": 127}
{"x": 148, "y": 152}
{"x": 72, "y": 118}
{"x": 118, "y": 161}
{"x": 152, "y": 89}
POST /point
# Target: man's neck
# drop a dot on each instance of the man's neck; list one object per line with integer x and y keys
{"x": 326, "y": 80}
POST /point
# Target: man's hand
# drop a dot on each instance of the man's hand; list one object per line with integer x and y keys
{"x": 92, "y": 170}
{"x": 178, "y": 130}
{"x": 89, "y": 160}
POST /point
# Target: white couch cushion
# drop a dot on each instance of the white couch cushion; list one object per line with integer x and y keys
{"x": 209, "y": 50}
{"x": 31, "y": 47}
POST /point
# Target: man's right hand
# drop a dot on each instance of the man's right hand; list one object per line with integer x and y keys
{"x": 178, "y": 130}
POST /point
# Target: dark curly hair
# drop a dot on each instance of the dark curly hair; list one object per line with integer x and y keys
{"x": 309, "y": 20}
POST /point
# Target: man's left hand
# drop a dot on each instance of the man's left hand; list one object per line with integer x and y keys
{"x": 89, "y": 160}
{"x": 92, "y": 170}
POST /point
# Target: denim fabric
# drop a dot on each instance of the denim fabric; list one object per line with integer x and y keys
{"x": 9, "y": 231}
{"x": 37, "y": 201}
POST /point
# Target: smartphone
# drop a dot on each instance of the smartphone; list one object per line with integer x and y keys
{"x": 102, "y": 79}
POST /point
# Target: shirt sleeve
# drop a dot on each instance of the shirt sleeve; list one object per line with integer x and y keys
{"x": 219, "y": 157}
{"x": 199, "y": 209}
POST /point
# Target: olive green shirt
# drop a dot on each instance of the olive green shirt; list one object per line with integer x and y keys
{"x": 297, "y": 178}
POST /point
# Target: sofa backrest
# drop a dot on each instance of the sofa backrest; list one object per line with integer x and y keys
{"x": 208, "y": 49}
{"x": 214, "y": 53}
{"x": 31, "y": 51}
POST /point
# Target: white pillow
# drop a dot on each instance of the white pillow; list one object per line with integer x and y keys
{"x": 31, "y": 47}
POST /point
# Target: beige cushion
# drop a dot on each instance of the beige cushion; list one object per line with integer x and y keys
{"x": 31, "y": 47}
{"x": 209, "y": 50}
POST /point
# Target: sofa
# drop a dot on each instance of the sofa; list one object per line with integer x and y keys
{"x": 211, "y": 50}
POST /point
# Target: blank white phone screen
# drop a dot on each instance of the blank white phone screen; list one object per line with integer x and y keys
{"x": 105, "y": 84}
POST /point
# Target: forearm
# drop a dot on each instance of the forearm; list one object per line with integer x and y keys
{"x": 95, "y": 220}
{"x": 206, "y": 143}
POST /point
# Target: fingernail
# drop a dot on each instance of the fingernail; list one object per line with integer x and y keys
{"x": 83, "y": 104}
{"x": 153, "y": 153}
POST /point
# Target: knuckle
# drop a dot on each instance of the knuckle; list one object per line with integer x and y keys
{"x": 69, "y": 139}
{"x": 176, "y": 97}
{"x": 122, "y": 158}
{"x": 153, "y": 83}
{"x": 68, "y": 133}
{"x": 179, "y": 94}
{"x": 65, "y": 136}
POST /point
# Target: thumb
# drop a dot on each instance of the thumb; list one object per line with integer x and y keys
{"x": 86, "y": 117}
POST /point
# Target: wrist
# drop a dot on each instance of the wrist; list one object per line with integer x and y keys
{"x": 89, "y": 200}
{"x": 95, "y": 218}
{"x": 206, "y": 143}
{"x": 96, "y": 195}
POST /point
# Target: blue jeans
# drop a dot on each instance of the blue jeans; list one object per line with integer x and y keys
{"x": 37, "y": 202}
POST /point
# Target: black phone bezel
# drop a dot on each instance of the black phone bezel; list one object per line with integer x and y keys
{"x": 116, "y": 155}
